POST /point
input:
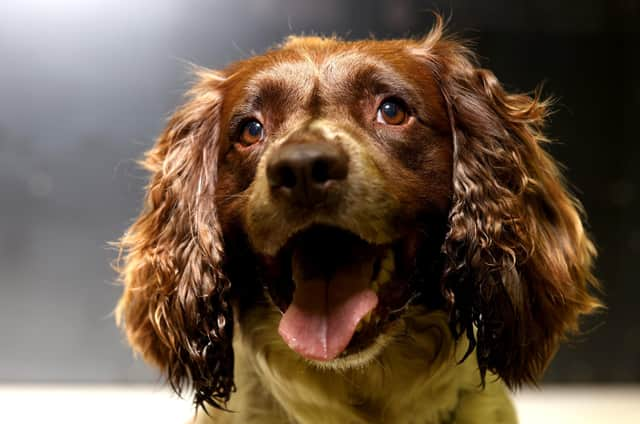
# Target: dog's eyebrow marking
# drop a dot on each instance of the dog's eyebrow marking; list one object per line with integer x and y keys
{"x": 350, "y": 70}
{"x": 291, "y": 82}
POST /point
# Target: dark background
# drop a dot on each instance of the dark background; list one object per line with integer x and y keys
{"x": 86, "y": 85}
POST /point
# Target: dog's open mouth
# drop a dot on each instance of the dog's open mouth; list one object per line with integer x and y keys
{"x": 337, "y": 292}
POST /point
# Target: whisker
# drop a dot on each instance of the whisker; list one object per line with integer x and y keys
{"x": 407, "y": 303}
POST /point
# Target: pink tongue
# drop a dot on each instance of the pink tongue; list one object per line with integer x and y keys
{"x": 325, "y": 312}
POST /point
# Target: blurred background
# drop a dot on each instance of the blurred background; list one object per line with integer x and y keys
{"x": 85, "y": 85}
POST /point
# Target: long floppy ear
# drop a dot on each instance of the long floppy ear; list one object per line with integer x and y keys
{"x": 174, "y": 307}
{"x": 519, "y": 260}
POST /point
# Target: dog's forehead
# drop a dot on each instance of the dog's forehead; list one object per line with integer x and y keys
{"x": 328, "y": 68}
{"x": 331, "y": 74}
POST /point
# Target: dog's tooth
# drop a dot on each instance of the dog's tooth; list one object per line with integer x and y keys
{"x": 384, "y": 277}
{"x": 365, "y": 318}
{"x": 388, "y": 262}
{"x": 375, "y": 285}
{"x": 359, "y": 326}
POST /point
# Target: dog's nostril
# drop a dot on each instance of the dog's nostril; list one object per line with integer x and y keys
{"x": 283, "y": 173}
{"x": 320, "y": 171}
{"x": 287, "y": 177}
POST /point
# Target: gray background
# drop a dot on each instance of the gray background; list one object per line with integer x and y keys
{"x": 86, "y": 85}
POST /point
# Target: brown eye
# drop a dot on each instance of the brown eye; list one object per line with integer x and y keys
{"x": 252, "y": 132}
{"x": 391, "y": 112}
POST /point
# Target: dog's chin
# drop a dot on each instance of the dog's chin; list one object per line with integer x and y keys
{"x": 341, "y": 297}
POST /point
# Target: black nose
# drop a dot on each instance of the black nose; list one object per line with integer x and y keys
{"x": 306, "y": 172}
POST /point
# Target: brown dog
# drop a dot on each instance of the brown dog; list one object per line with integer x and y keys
{"x": 332, "y": 227}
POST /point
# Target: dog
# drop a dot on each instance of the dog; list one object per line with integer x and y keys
{"x": 355, "y": 232}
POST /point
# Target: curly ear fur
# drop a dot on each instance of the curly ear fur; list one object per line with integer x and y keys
{"x": 174, "y": 307}
{"x": 519, "y": 260}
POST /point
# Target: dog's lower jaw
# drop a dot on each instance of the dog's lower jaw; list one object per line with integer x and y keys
{"x": 414, "y": 378}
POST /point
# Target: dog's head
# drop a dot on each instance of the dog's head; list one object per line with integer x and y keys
{"x": 341, "y": 182}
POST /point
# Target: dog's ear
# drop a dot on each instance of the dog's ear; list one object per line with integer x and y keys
{"x": 519, "y": 260}
{"x": 174, "y": 307}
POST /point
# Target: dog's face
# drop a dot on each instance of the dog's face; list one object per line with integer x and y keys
{"x": 340, "y": 183}
{"x": 337, "y": 167}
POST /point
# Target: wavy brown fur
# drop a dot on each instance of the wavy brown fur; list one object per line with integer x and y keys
{"x": 175, "y": 302}
{"x": 519, "y": 260}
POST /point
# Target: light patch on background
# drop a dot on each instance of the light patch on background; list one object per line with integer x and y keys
{"x": 152, "y": 404}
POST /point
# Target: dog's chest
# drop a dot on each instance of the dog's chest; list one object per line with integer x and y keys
{"x": 414, "y": 380}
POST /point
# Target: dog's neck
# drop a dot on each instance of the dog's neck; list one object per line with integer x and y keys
{"x": 413, "y": 374}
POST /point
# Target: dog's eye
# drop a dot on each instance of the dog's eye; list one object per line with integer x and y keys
{"x": 252, "y": 132}
{"x": 391, "y": 112}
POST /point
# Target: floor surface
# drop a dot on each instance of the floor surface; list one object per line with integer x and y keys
{"x": 71, "y": 404}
